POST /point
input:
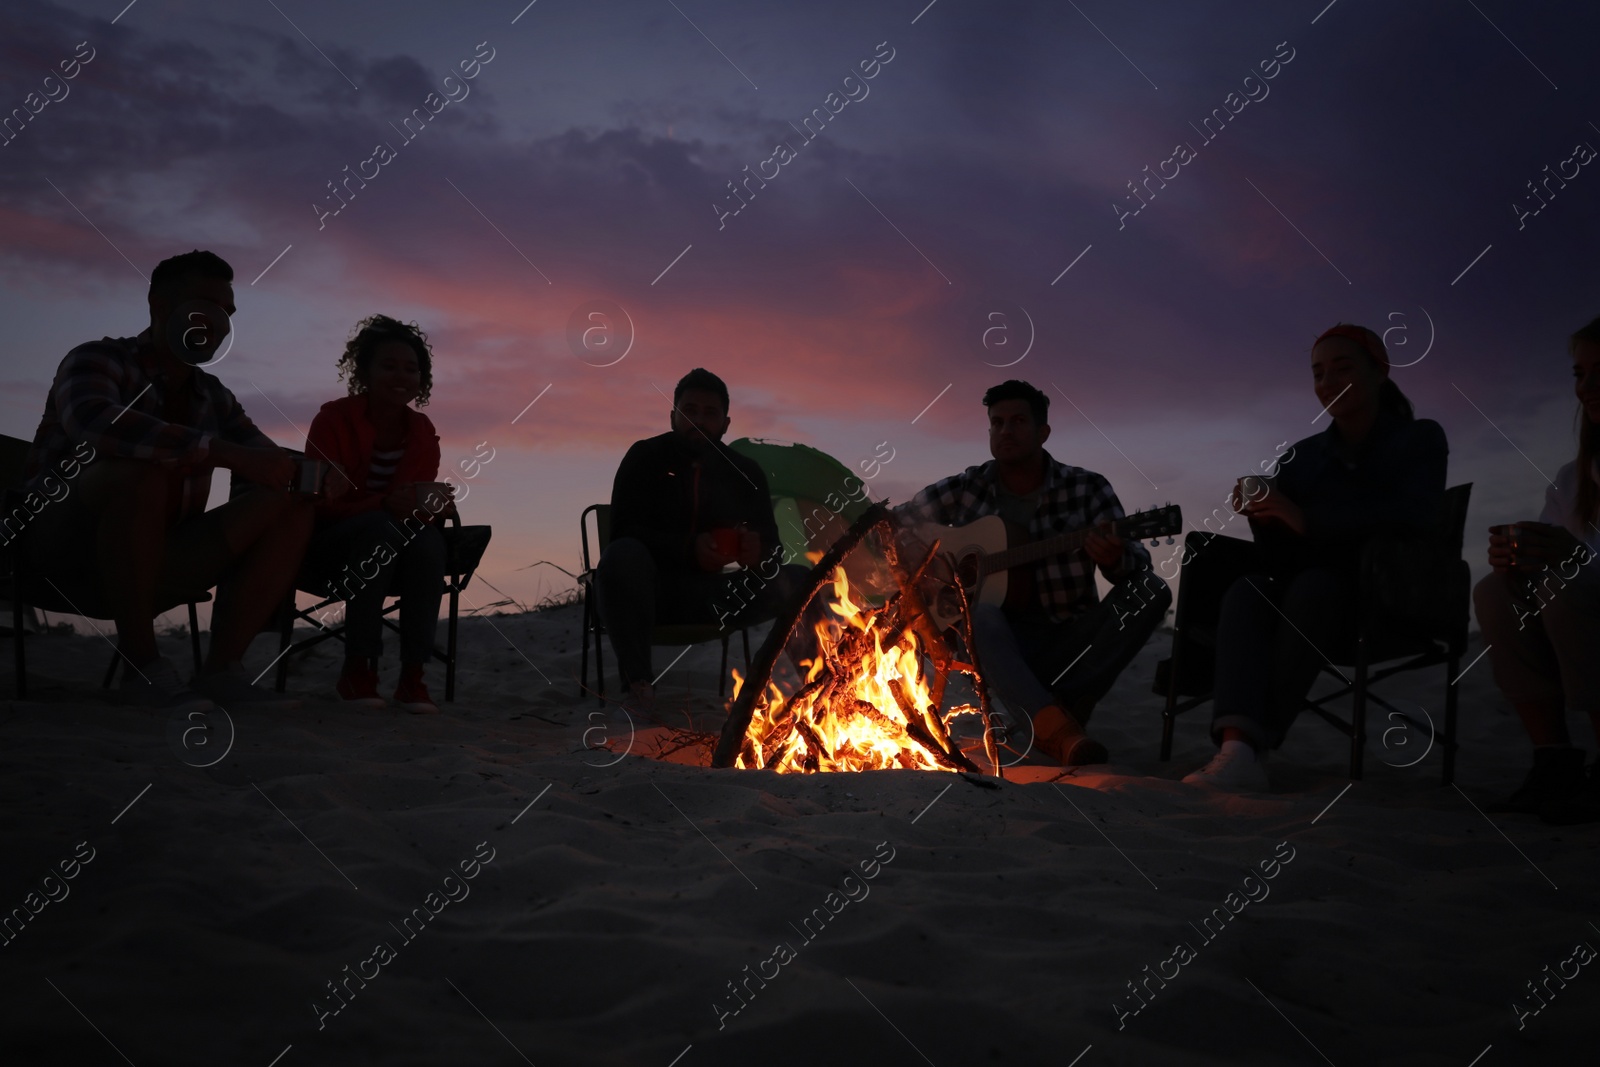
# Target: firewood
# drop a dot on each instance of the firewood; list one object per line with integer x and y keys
{"x": 990, "y": 751}
{"x": 738, "y": 724}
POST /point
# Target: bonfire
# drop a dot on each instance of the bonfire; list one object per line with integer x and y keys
{"x": 871, "y": 699}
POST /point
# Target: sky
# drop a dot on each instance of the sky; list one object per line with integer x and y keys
{"x": 965, "y": 214}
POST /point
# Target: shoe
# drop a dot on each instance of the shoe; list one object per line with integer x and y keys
{"x": 1236, "y": 768}
{"x": 358, "y": 684}
{"x": 1556, "y": 775}
{"x": 412, "y": 694}
{"x": 157, "y": 685}
{"x": 1582, "y": 806}
{"x": 230, "y": 688}
{"x": 1058, "y": 735}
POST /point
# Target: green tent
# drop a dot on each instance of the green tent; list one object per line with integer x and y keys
{"x": 815, "y": 498}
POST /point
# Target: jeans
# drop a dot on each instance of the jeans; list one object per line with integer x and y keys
{"x": 369, "y": 556}
{"x": 634, "y": 595}
{"x": 1271, "y": 637}
{"x": 1081, "y": 657}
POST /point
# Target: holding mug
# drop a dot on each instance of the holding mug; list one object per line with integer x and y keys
{"x": 1249, "y": 489}
{"x": 725, "y": 541}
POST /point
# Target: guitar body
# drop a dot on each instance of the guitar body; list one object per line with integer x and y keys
{"x": 979, "y": 554}
{"x": 965, "y": 547}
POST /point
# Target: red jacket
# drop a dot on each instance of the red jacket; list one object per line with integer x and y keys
{"x": 341, "y": 434}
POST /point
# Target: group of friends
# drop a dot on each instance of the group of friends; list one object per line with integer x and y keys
{"x": 130, "y": 535}
{"x": 692, "y": 517}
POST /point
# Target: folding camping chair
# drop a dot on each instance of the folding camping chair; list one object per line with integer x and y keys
{"x": 1413, "y": 601}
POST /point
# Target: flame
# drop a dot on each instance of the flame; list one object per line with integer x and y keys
{"x": 852, "y": 720}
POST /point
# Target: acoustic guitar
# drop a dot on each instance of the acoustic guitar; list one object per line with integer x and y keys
{"x": 981, "y": 553}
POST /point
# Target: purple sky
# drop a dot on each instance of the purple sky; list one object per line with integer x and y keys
{"x": 589, "y": 154}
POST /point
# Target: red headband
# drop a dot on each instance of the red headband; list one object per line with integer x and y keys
{"x": 1369, "y": 341}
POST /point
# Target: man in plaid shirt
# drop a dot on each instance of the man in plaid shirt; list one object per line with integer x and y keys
{"x": 1055, "y": 647}
{"x": 127, "y": 536}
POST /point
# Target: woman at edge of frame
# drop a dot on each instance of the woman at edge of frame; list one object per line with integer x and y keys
{"x": 1539, "y": 609}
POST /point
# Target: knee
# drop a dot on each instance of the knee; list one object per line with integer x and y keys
{"x": 137, "y": 483}
{"x": 427, "y": 550}
{"x": 988, "y": 620}
{"x": 1491, "y": 595}
{"x": 1310, "y": 595}
{"x": 1567, "y": 609}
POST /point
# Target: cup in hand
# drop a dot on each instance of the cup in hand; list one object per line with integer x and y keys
{"x": 725, "y": 540}
{"x": 1249, "y": 489}
{"x": 1503, "y": 543}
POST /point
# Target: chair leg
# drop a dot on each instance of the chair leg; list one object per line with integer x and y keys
{"x": 194, "y": 635}
{"x": 722, "y": 682}
{"x": 1358, "y": 717}
{"x": 111, "y": 669}
{"x": 1449, "y": 773}
{"x": 285, "y": 635}
{"x": 583, "y": 664}
{"x": 1168, "y": 718}
{"x": 17, "y": 639}
{"x": 599, "y": 664}
{"x": 745, "y": 634}
{"x": 450, "y": 661}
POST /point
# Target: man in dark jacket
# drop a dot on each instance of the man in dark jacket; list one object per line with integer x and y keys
{"x": 684, "y": 510}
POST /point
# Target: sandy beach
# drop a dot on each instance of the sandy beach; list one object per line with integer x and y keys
{"x": 364, "y": 886}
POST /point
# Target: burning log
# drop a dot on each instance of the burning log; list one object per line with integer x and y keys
{"x": 871, "y": 698}
{"x": 990, "y": 752}
{"x": 734, "y": 730}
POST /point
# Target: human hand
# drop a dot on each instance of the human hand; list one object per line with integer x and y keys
{"x": 337, "y": 483}
{"x": 272, "y": 467}
{"x": 1103, "y": 545}
{"x": 1275, "y": 507}
{"x": 1536, "y": 545}
{"x": 707, "y": 556}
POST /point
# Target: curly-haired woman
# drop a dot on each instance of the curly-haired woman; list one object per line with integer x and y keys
{"x": 382, "y": 538}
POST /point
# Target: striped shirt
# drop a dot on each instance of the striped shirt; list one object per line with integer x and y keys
{"x": 381, "y": 471}
{"x": 111, "y": 394}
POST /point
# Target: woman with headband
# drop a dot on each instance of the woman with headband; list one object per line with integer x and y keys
{"x": 1540, "y": 613}
{"x": 1376, "y": 468}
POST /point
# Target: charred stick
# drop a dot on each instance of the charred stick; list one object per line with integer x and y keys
{"x": 989, "y": 750}
{"x": 733, "y": 731}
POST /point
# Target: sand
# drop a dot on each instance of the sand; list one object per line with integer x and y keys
{"x": 885, "y": 918}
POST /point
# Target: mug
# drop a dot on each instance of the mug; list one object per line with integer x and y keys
{"x": 310, "y": 475}
{"x": 1251, "y": 488}
{"x": 726, "y": 542}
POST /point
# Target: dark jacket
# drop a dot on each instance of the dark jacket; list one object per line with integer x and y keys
{"x": 1393, "y": 483}
{"x": 667, "y": 493}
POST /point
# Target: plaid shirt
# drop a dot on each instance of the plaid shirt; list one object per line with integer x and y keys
{"x": 111, "y": 394}
{"x": 1070, "y": 498}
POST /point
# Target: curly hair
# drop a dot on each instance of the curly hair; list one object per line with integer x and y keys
{"x": 373, "y": 331}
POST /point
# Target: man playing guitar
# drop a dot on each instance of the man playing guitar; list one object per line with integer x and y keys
{"x": 1054, "y": 648}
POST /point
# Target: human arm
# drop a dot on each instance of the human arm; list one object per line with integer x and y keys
{"x": 1116, "y": 556}
{"x": 644, "y": 506}
{"x": 98, "y": 394}
{"x": 346, "y": 494}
